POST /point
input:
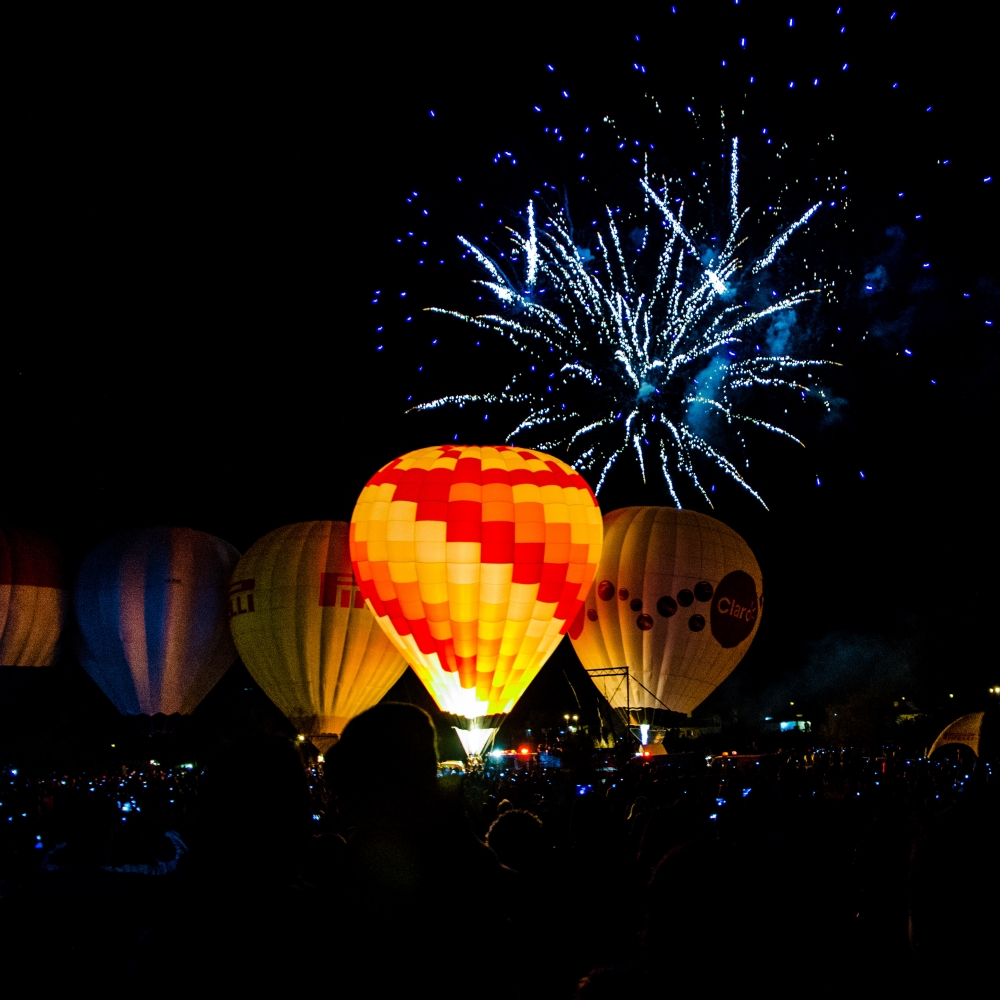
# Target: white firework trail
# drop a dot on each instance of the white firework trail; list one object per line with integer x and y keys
{"x": 625, "y": 364}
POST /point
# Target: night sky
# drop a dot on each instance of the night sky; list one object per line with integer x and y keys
{"x": 200, "y": 221}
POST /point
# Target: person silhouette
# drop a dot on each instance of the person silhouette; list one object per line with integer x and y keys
{"x": 241, "y": 906}
{"x": 415, "y": 880}
{"x": 518, "y": 840}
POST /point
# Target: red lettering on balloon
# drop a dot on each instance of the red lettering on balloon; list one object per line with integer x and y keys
{"x": 339, "y": 590}
{"x": 237, "y": 591}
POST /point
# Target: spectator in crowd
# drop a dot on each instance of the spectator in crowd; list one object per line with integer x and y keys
{"x": 842, "y": 873}
{"x": 416, "y": 881}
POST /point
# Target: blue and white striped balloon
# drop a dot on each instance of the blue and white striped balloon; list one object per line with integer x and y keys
{"x": 152, "y": 609}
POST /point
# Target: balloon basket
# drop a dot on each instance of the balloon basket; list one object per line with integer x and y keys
{"x": 151, "y": 726}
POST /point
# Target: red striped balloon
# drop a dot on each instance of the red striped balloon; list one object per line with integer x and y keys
{"x": 33, "y": 599}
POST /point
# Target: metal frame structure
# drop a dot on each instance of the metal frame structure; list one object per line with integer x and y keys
{"x": 626, "y": 674}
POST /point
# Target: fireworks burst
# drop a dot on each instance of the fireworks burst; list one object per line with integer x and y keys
{"x": 641, "y": 356}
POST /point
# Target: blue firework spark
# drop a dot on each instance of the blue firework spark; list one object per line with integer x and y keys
{"x": 627, "y": 359}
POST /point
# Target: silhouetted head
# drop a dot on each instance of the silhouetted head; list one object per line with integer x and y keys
{"x": 591, "y": 822}
{"x": 517, "y": 839}
{"x": 387, "y": 753}
{"x": 697, "y": 887}
{"x": 640, "y": 806}
{"x": 504, "y": 805}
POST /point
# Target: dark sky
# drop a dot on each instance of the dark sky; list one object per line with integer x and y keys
{"x": 199, "y": 217}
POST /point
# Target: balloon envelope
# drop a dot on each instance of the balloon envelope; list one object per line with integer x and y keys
{"x": 966, "y": 730}
{"x": 152, "y": 611}
{"x": 676, "y": 600}
{"x": 302, "y": 628}
{"x": 33, "y": 599}
{"x": 475, "y": 560}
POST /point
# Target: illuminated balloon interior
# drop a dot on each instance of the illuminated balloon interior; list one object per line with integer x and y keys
{"x": 474, "y": 740}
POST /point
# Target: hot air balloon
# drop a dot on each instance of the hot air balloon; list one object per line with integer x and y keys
{"x": 152, "y": 610}
{"x": 302, "y": 628}
{"x": 33, "y": 599}
{"x": 966, "y": 730}
{"x": 475, "y": 561}
{"x": 675, "y": 604}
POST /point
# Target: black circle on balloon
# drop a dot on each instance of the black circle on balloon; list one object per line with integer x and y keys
{"x": 605, "y": 590}
{"x": 703, "y": 591}
{"x": 696, "y": 623}
{"x": 735, "y": 609}
{"x": 623, "y": 594}
{"x": 667, "y": 606}
{"x": 645, "y": 622}
{"x": 592, "y": 614}
{"x": 685, "y": 598}
{"x": 635, "y": 604}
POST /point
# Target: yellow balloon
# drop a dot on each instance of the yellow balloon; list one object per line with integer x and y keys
{"x": 676, "y": 600}
{"x": 966, "y": 730}
{"x": 301, "y": 626}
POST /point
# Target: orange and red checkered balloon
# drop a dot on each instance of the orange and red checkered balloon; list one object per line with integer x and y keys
{"x": 475, "y": 560}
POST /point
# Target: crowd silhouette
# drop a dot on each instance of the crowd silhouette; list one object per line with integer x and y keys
{"x": 828, "y": 872}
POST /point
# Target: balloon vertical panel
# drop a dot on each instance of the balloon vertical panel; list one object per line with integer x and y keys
{"x": 33, "y": 599}
{"x": 302, "y": 628}
{"x": 151, "y": 606}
